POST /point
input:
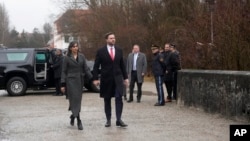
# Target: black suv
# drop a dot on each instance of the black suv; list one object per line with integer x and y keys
{"x": 23, "y": 68}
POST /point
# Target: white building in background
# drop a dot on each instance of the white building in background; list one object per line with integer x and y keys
{"x": 58, "y": 37}
{"x": 61, "y": 40}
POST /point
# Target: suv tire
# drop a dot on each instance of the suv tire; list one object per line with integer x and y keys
{"x": 16, "y": 86}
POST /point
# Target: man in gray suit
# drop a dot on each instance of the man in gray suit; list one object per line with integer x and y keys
{"x": 136, "y": 69}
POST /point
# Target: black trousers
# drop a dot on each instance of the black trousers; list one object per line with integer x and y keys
{"x": 169, "y": 87}
{"x": 58, "y": 85}
{"x": 159, "y": 88}
{"x": 118, "y": 108}
{"x": 169, "y": 84}
{"x": 175, "y": 84}
{"x": 132, "y": 85}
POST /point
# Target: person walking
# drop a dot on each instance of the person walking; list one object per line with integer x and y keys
{"x": 57, "y": 67}
{"x": 113, "y": 77}
{"x": 136, "y": 69}
{"x": 158, "y": 69}
{"x": 73, "y": 71}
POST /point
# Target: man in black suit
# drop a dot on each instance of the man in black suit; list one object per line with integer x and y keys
{"x": 113, "y": 77}
{"x": 57, "y": 66}
{"x": 171, "y": 61}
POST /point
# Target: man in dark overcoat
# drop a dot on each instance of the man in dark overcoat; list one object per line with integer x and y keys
{"x": 171, "y": 61}
{"x": 176, "y": 67}
{"x": 57, "y": 67}
{"x": 158, "y": 69}
{"x": 113, "y": 77}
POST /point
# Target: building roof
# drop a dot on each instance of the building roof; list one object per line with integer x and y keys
{"x": 69, "y": 18}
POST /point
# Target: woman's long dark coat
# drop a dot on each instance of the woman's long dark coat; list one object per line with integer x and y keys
{"x": 73, "y": 73}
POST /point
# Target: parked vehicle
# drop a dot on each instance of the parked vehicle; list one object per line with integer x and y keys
{"x": 26, "y": 68}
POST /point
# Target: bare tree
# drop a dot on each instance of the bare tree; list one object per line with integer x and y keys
{"x": 231, "y": 47}
{"x": 218, "y": 40}
{"x": 4, "y": 24}
{"x": 47, "y": 28}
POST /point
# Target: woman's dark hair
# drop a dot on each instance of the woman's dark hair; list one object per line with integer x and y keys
{"x": 71, "y": 44}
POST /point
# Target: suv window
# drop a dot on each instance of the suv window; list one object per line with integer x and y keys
{"x": 13, "y": 57}
{"x": 40, "y": 58}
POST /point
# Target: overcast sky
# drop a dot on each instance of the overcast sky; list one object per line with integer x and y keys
{"x": 30, "y": 14}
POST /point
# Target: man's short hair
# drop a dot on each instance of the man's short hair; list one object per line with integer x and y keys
{"x": 107, "y": 35}
{"x": 153, "y": 46}
{"x": 172, "y": 45}
{"x": 59, "y": 50}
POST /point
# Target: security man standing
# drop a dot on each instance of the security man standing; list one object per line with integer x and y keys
{"x": 158, "y": 69}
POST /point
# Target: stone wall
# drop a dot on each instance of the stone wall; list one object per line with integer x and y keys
{"x": 215, "y": 91}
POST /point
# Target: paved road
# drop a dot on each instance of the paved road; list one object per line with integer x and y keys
{"x": 43, "y": 117}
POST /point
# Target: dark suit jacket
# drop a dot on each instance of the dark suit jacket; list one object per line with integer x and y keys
{"x": 113, "y": 73}
{"x": 57, "y": 66}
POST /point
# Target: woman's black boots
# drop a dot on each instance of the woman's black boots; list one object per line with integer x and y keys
{"x": 72, "y": 119}
{"x": 79, "y": 123}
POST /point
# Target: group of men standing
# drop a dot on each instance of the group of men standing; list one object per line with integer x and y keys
{"x": 165, "y": 64}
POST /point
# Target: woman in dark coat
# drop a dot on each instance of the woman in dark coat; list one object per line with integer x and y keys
{"x": 73, "y": 71}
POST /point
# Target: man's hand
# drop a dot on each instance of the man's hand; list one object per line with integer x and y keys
{"x": 126, "y": 83}
{"x": 96, "y": 82}
{"x": 63, "y": 90}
